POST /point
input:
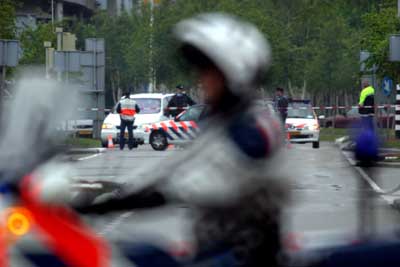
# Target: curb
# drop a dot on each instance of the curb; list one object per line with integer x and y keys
{"x": 390, "y": 150}
{"x": 388, "y": 164}
{"x": 344, "y": 145}
{"x": 86, "y": 150}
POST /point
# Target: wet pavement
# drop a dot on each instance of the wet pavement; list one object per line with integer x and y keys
{"x": 324, "y": 190}
{"x": 326, "y": 193}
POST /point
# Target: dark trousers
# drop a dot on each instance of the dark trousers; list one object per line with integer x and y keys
{"x": 283, "y": 118}
{"x": 131, "y": 142}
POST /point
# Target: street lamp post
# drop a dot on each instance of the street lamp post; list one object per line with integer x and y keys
{"x": 151, "y": 69}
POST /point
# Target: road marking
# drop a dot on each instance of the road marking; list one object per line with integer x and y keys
{"x": 369, "y": 180}
{"x": 88, "y": 186}
{"x": 90, "y": 157}
{"x": 115, "y": 223}
{"x": 93, "y": 177}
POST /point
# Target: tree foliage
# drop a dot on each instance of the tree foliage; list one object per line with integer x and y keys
{"x": 7, "y": 21}
{"x": 378, "y": 26}
{"x": 315, "y": 43}
{"x": 32, "y": 43}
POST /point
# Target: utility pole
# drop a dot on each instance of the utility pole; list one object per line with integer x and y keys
{"x": 52, "y": 13}
{"x": 398, "y": 8}
{"x": 47, "y": 46}
{"x": 59, "y": 10}
{"x": 59, "y": 32}
{"x": 151, "y": 69}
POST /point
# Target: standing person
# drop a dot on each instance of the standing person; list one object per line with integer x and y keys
{"x": 179, "y": 101}
{"x": 127, "y": 109}
{"x": 226, "y": 176}
{"x": 367, "y": 105}
{"x": 281, "y": 104}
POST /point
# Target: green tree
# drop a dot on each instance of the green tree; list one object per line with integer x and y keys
{"x": 7, "y": 21}
{"x": 377, "y": 26}
{"x": 315, "y": 43}
{"x": 32, "y": 40}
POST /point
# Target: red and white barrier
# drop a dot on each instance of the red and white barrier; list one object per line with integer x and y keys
{"x": 108, "y": 109}
{"x": 342, "y": 107}
{"x": 385, "y": 106}
{"x": 95, "y": 109}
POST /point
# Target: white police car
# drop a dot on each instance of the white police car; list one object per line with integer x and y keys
{"x": 302, "y": 123}
{"x": 182, "y": 130}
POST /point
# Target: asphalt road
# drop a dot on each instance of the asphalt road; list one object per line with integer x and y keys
{"x": 324, "y": 189}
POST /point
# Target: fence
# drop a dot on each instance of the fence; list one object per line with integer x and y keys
{"x": 336, "y": 121}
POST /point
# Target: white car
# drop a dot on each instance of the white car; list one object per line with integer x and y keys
{"x": 183, "y": 129}
{"x": 152, "y": 109}
{"x": 302, "y": 124}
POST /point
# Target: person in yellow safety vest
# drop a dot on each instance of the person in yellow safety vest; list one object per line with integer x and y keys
{"x": 127, "y": 109}
{"x": 367, "y": 103}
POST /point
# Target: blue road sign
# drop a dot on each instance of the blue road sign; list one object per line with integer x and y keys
{"x": 387, "y": 86}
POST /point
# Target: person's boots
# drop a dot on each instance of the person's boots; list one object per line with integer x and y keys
{"x": 121, "y": 144}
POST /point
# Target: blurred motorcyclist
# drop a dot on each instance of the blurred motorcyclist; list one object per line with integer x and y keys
{"x": 225, "y": 175}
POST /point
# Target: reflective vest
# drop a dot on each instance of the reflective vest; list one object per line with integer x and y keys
{"x": 367, "y": 101}
{"x": 128, "y": 109}
{"x": 368, "y": 91}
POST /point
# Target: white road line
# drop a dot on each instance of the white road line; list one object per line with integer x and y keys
{"x": 115, "y": 223}
{"x": 365, "y": 176}
{"x": 86, "y": 177}
{"x": 90, "y": 157}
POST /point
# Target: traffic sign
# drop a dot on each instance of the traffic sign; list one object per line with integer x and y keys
{"x": 394, "y": 48}
{"x": 387, "y": 86}
{"x": 9, "y": 53}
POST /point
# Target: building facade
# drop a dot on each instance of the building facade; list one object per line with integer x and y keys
{"x": 32, "y": 12}
{"x": 116, "y": 7}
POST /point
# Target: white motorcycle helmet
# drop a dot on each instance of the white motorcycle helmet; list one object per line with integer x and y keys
{"x": 238, "y": 49}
